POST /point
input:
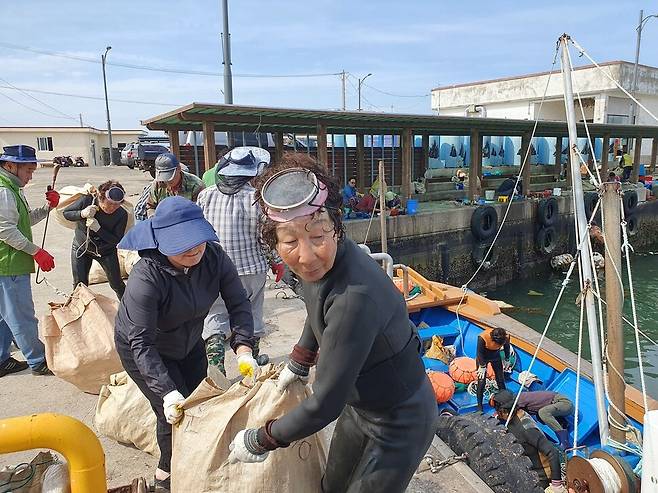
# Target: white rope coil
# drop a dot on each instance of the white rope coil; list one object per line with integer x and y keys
{"x": 607, "y": 474}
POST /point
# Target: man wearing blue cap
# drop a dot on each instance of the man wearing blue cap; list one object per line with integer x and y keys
{"x": 171, "y": 180}
{"x": 17, "y": 257}
{"x": 230, "y": 206}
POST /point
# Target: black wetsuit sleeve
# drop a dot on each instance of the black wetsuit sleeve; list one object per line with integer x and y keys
{"x": 352, "y": 323}
{"x": 538, "y": 440}
{"x": 506, "y": 348}
{"x": 481, "y": 357}
{"x": 307, "y": 340}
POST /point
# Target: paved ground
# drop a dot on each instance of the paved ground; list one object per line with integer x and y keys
{"x": 24, "y": 394}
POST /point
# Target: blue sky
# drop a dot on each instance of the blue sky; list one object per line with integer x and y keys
{"x": 409, "y": 47}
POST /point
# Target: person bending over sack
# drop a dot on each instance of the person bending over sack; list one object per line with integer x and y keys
{"x": 160, "y": 319}
{"x": 490, "y": 342}
{"x": 370, "y": 375}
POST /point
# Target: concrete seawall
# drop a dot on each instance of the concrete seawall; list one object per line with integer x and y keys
{"x": 442, "y": 246}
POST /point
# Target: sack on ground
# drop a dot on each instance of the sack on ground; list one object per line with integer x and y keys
{"x": 124, "y": 414}
{"x": 213, "y": 417}
{"x": 127, "y": 260}
{"x": 79, "y": 339}
{"x": 45, "y": 473}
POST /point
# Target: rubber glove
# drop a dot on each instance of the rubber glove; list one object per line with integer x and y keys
{"x": 89, "y": 211}
{"x": 278, "y": 270}
{"x": 481, "y": 372}
{"x": 172, "y": 410}
{"x": 93, "y": 224}
{"x": 556, "y": 486}
{"x": 248, "y": 366}
{"x": 245, "y": 448}
{"x": 286, "y": 377}
{"x": 44, "y": 260}
{"x": 52, "y": 197}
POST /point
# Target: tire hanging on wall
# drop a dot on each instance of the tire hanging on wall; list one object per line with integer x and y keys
{"x": 590, "y": 199}
{"x": 484, "y": 222}
{"x": 493, "y": 453}
{"x": 547, "y": 211}
{"x": 546, "y": 240}
{"x": 629, "y": 201}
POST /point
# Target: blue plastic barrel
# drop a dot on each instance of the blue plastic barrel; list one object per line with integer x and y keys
{"x": 412, "y": 206}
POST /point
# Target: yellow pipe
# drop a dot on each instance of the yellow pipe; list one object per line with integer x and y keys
{"x": 66, "y": 435}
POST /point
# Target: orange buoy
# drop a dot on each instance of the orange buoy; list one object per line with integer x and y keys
{"x": 463, "y": 370}
{"x": 443, "y": 385}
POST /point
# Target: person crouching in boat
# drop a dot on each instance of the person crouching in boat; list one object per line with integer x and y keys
{"x": 369, "y": 371}
{"x": 490, "y": 342}
{"x": 534, "y": 442}
{"x": 158, "y": 327}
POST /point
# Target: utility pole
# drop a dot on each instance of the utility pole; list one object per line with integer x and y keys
{"x": 107, "y": 106}
{"x": 80, "y": 114}
{"x": 226, "y": 48}
{"x": 342, "y": 79}
{"x": 640, "y": 26}
{"x": 611, "y": 206}
{"x": 359, "y": 91}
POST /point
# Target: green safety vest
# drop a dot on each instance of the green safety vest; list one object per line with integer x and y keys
{"x": 16, "y": 262}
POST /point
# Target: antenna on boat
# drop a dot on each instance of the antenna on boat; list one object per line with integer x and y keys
{"x": 582, "y": 230}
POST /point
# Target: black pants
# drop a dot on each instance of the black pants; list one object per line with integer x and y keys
{"x": 497, "y": 365}
{"x": 81, "y": 265}
{"x": 186, "y": 373}
{"x": 380, "y": 451}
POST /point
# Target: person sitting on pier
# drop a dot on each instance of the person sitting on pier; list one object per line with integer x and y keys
{"x": 351, "y": 194}
{"x": 545, "y": 405}
{"x": 506, "y": 188}
{"x": 533, "y": 441}
{"x": 490, "y": 342}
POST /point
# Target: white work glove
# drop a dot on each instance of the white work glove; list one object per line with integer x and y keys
{"x": 286, "y": 377}
{"x": 556, "y": 487}
{"x": 248, "y": 366}
{"x": 93, "y": 224}
{"x": 243, "y": 448}
{"x": 89, "y": 211}
{"x": 172, "y": 410}
{"x": 481, "y": 372}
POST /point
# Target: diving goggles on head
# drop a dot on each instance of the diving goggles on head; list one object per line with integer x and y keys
{"x": 115, "y": 195}
{"x": 293, "y": 193}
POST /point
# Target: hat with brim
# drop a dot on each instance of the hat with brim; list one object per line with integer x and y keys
{"x": 166, "y": 165}
{"x": 243, "y": 161}
{"x": 20, "y": 154}
{"x": 178, "y": 226}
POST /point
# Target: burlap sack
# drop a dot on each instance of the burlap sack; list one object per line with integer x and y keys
{"x": 71, "y": 193}
{"x": 212, "y": 419}
{"x": 79, "y": 339}
{"x": 32, "y": 477}
{"x": 127, "y": 260}
{"x": 125, "y": 415}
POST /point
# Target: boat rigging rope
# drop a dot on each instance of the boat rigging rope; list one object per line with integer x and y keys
{"x": 524, "y": 162}
{"x": 609, "y": 478}
{"x": 580, "y": 354}
{"x": 583, "y": 52}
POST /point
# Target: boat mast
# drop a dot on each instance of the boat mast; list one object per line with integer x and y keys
{"x": 585, "y": 255}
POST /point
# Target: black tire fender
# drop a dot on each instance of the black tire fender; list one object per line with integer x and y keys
{"x": 547, "y": 211}
{"x": 630, "y": 202}
{"x": 590, "y": 199}
{"x": 484, "y": 222}
{"x": 493, "y": 453}
{"x": 546, "y": 240}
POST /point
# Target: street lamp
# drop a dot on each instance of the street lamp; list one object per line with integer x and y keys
{"x": 107, "y": 106}
{"x": 360, "y": 84}
{"x": 640, "y": 26}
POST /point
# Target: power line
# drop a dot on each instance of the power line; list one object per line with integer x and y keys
{"x": 363, "y": 97}
{"x": 30, "y": 108}
{"x": 396, "y": 95}
{"x": 161, "y": 69}
{"x": 37, "y": 100}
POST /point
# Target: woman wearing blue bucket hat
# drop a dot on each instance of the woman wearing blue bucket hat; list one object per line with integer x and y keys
{"x": 160, "y": 320}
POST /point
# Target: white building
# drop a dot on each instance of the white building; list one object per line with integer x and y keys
{"x": 519, "y": 97}
{"x": 86, "y": 142}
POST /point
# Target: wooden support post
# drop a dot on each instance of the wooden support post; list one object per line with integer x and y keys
{"x": 323, "y": 157}
{"x": 604, "y": 157}
{"x": 209, "y": 151}
{"x": 474, "y": 165}
{"x": 426, "y": 156}
{"x": 407, "y": 156}
{"x": 558, "y": 158}
{"x": 636, "y": 160}
{"x": 382, "y": 205}
{"x": 654, "y": 155}
{"x": 174, "y": 143}
{"x": 611, "y": 207}
{"x": 278, "y": 147}
{"x": 525, "y": 144}
{"x": 360, "y": 163}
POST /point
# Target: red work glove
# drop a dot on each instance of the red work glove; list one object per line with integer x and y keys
{"x": 278, "y": 270}
{"x": 52, "y": 197}
{"x": 44, "y": 260}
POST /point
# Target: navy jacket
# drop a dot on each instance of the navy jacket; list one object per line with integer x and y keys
{"x": 162, "y": 311}
{"x": 105, "y": 240}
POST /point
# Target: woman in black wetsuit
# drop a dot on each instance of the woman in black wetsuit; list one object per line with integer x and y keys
{"x": 369, "y": 372}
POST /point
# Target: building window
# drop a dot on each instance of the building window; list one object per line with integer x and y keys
{"x": 45, "y": 143}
